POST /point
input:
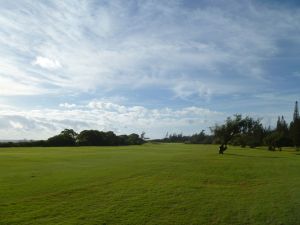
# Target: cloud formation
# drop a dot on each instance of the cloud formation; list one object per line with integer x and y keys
{"x": 103, "y": 116}
{"x": 46, "y": 63}
{"x": 196, "y": 54}
{"x": 129, "y": 45}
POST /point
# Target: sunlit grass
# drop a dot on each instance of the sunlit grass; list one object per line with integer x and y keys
{"x": 149, "y": 184}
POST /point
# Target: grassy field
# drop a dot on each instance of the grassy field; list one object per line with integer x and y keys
{"x": 149, "y": 184}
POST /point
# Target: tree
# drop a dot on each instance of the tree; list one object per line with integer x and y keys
{"x": 295, "y": 132}
{"x": 110, "y": 138}
{"x": 69, "y": 132}
{"x": 239, "y": 131}
{"x": 123, "y": 140}
{"x": 100, "y": 138}
{"x": 142, "y": 136}
{"x": 295, "y": 127}
{"x": 224, "y": 133}
{"x": 272, "y": 140}
{"x": 90, "y": 138}
{"x": 200, "y": 138}
{"x": 66, "y": 138}
{"x": 283, "y": 135}
{"x": 134, "y": 139}
{"x": 252, "y": 132}
{"x": 296, "y": 112}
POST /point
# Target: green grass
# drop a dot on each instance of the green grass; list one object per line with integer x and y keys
{"x": 149, "y": 184}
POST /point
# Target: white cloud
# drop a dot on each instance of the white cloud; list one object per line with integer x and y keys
{"x": 46, "y": 63}
{"x": 41, "y": 123}
{"x": 67, "y": 105}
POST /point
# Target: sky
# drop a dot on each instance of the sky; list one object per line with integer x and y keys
{"x": 153, "y": 66}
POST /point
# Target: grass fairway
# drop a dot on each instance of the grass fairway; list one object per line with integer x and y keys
{"x": 150, "y": 184}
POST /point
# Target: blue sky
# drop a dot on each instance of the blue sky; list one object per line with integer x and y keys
{"x": 153, "y": 66}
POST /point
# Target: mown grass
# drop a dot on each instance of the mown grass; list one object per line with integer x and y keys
{"x": 149, "y": 184}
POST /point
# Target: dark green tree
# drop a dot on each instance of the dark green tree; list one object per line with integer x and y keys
{"x": 225, "y": 132}
{"x": 134, "y": 139}
{"x": 239, "y": 131}
{"x": 69, "y": 132}
{"x": 110, "y": 139}
{"x": 200, "y": 138}
{"x": 272, "y": 140}
{"x": 295, "y": 127}
{"x": 66, "y": 138}
{"x": 283, "y": 135}
{"x": 91, "y": 138}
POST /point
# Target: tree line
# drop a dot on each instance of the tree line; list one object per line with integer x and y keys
{"x": 197, "y": 138}
{"x": 68, "y": 137}
{"x": 250, "y": 132}
{"x": 246, "y": 131}
{"x": 237, "y": 130}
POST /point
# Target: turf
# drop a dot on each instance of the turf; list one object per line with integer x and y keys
{"x": 149, "y": 184}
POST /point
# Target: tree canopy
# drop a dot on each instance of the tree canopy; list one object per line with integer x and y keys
{"x": 239, "y": 131}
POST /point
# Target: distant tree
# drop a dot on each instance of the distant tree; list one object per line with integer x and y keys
{"x": 201, "y": 138}
{"x": 134, "y": 139}
{"x": 283, "y": 135}
{"x": 296, "y": 115}
{"x": 198, "y": 138}
{"x": 272, "y": 140}
{"x": 90, "y": 138}
{"x": 295, "y": 132}
{"x": 177, "y": 138}
{"x": 142, "y": 136}
{"x": 100, "y": 138}
{"x": 66, "y": 138}
{"x": 110, "y": 138}
{"x": 123, "y": 140}
{"x": 295, "y": 127}
{"x": 69, "y": 132}
{"x": 69, "y": 137}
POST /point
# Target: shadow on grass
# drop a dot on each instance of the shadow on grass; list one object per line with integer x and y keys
{"x": 254, "y": 156}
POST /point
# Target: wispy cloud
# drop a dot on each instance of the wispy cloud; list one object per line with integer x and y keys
{"x": 129, "y": 45}
{"x": 204, "y": 51}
